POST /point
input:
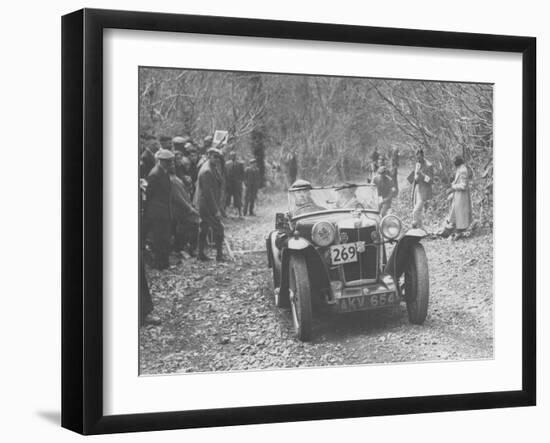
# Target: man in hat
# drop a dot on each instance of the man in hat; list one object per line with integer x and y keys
{"x": 421, "y": 178}
{"x": 165, "y": 142}
{"x": 158, "y": 209}
{"x": 386, "y": 189}
{"x": 346, "y": 198}
{"x": 178, "y": 143}
{"x": 301, "y": 191}
{"x": 373, "y": 164}
{"x": 203, "y": 155}
{"x": 206, "y": 144}
{"x": 234, "y": 170}
{"x": 394, "y": 166}
{"x": 252, "y": 182}
{"x": 185, "y": 216}
{"x": 180, "y": 168}
{"x": 185, "y": 166}
{"x": 193, "y": 156}
{"x": 208, "y": 202}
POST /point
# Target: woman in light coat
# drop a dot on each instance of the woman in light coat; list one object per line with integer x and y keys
{"x": 460, "y": 217}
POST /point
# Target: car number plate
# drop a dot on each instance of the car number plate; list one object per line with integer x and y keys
{"x": 350, "y": 304}
{"x": 345, "y": 252}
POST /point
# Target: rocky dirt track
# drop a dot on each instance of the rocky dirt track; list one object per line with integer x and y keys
{"x": 221, "y": 316}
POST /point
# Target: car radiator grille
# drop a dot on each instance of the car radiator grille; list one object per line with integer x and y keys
{"x": 366, "y": 265}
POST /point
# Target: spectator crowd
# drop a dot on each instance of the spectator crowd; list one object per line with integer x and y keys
{"x": 186, "y": 188}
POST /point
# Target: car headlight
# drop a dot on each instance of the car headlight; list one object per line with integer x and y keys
{"x": 323, "y": 233}
{"x": 390, "y": 227}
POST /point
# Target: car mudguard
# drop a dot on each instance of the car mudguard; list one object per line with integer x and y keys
{"x": 269, "y": 250}
{"x": 298, "y": 244}
{"x": 398, "y": 258}
{"x": 274, "y": 243}
{"x": 317, "y": 270}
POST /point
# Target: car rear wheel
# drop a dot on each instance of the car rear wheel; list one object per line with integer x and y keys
{"x": 417, "y": 285}
{"x": 300, "y": 297}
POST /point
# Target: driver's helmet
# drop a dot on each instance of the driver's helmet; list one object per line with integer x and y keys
{"x": 300, "y": 185}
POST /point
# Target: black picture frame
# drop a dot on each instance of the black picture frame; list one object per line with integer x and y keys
{"x": 82, "y": 218}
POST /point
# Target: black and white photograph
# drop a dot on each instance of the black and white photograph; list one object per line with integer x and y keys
{"x": 300, "y": 221}
{"x": 266, "y": 222}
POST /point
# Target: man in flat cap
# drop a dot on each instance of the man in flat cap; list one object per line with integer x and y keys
{"x": 422, "y": 180}
{"x": 301, "y": 191}
{"x": 203, "y": 151}
{"x": 165, "y": 142}
{"x": 252, "y": 182}
{"x": 185, "y": 220}
{"x": 147, "y": 158}
{"x": 374, "y": 163}
{"x": 191, "y": 161}
{"x": 208, "y": 202}
{"x": 178, "y": 143}
{"x": 386, "y": 189}
{"x": 180, "y": 164}
{"x": 158, "y": 207}
{"x": 206, "y": 144}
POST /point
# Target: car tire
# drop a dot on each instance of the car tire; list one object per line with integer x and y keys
{"x": 280, "y": 302}
{"x": 300, "y": 297}
{"x": 417, "y": 285}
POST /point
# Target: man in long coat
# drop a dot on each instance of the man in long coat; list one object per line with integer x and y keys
{"x": 165, "y": 142}
{"x": 158, "y": 207}
{"x": 147, "y": 159}
{"x": 386, "y": 189}
{"x": 421, "y": 178}
{"x": 207, "y": 200}
{"x": 186, "y": 217}
{"x": 252, "y": 182}
{"x": 234, "y": 171}
{"x": 460, "y": 216}
{"x": 191, "y": 159}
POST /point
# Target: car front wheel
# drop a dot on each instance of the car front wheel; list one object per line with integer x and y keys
{"x": 280, "y": 302}
{"x": 300, "y": 297}
{"x": 417, "y": 285}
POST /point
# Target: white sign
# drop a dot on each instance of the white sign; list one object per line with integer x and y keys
{"x": 220, "y": 137}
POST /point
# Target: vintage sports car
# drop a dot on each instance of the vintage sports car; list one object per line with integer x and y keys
{"x": 329, "y": 250}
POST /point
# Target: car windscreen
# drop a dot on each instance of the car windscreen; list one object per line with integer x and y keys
{"x": 332, "y": 198}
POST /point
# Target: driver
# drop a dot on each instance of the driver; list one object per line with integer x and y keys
{"x": 346, "y": 198}
{"x": 301, "y": 190}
